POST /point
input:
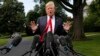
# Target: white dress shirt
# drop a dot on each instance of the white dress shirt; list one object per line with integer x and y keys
{"x": 53, "y": 23}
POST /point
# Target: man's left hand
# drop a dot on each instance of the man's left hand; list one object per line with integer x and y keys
{"x": 67, "y": 25}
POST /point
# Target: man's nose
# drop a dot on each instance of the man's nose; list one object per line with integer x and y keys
{"x": 50, "y": 10}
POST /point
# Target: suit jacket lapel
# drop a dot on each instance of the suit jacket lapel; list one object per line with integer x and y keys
{"x": 56, "y": 24}
{"x": 45, "y": 22}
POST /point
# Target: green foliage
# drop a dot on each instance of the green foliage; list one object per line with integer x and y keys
{"x": 3, "y": 41}
{"x": 92, "y": 22}
{"x": 12, "y": 16}
{"x": 42, "y": 11}
{"x": 36, "y": 8}
{"x": 32, "y": 16}
{"x": 61, "y": 12}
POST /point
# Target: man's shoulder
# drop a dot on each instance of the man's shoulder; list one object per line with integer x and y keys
{"x": 59, "y": 18}
{"x": 42, "y": 17}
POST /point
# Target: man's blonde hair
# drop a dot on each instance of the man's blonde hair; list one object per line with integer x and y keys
{"x": 50, "y": 3}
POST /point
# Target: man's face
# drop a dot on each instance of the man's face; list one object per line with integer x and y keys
{"x": 50, "y": 10}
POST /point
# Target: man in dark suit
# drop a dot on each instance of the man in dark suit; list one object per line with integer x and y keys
{"x": 49, "y": 23}
{"x": 58, "y": 27}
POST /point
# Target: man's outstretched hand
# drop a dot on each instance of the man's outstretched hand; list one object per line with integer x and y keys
{"x": 33, "y": 25}
{"x": 67, "y": 25}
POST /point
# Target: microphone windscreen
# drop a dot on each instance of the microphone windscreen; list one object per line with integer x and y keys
{"x": 56, "y": 39}
{"x": 62, "y": 40}
{"x": 49, "y": 39}
{"x": 16, "y": 39}
{"x": 34, "y": 42}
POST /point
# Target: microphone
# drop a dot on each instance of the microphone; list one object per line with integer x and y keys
{"x": 62, "y": 40}
{"x": 35, "y": 41}
{"x": 16, "y": 39}
{"x": 49, "y": 39}
{"x": 56, "y": 40}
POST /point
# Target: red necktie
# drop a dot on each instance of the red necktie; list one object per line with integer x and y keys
{"x": 49, "y": 23}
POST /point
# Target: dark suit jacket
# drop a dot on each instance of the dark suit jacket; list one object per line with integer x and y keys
{"x": 42, "y": 21}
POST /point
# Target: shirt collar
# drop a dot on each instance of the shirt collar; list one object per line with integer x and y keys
{"x": 52, "y": 16}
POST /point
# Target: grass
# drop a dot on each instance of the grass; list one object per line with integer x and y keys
{"x": 3, "y": 41}
{"x": 89, "y": 47}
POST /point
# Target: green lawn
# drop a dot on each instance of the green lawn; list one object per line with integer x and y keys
{"x": 3, "y": 41}
{"x": 90, "y": 47}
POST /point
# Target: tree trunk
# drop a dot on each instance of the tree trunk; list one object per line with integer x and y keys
{"x": 78, "y": 21}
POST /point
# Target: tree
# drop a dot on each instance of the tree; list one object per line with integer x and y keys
{"x": 12, "y": 16}
{"x": 1, "y": 7}
{"x": 32, "y": 16}
{"x": 36, "y": 8}
{"x": 77, "y": 10}
{"x": 0, "y": 3}
{"x": 93, "y": 18}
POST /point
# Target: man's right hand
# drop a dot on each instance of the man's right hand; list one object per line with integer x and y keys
{"x": 33, "y": 25}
